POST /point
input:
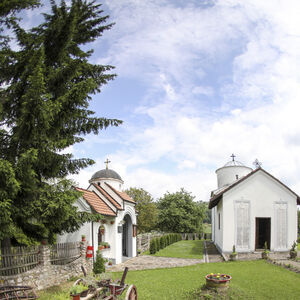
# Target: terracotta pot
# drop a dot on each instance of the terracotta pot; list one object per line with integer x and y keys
{"x": 212, "y": 283}
{"x": 83, "y": 238}
{"x": 76, "y": 297}
{"x": 101, "y": 247}
{"x": 112, "y": 222}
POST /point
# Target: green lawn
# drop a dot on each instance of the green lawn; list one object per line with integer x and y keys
{"x": 182, "y": 249}
{"x": 250, "y": 280}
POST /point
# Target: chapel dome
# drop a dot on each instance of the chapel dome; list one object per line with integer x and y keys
{"x": 106, "y": 173}
{"x": 231, "y": 172}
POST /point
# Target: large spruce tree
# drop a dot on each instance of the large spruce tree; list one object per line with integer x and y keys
{"x": 46, "y": 86}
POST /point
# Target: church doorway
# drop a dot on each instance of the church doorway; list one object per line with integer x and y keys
{"x": 263, "y": 233}
{"x": 127, "y": 237}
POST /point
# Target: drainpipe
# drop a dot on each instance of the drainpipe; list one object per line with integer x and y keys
{"x": 93, "y": 240}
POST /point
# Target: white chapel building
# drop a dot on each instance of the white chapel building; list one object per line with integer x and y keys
{"x": 251, "y": 207}
{"x": 118, "y": 221}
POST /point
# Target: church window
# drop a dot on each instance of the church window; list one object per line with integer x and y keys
{"x": 219, "y": 219}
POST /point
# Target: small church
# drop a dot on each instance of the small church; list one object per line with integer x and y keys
{"x": 251, "y": 207}
{"x": 117, "y": 227}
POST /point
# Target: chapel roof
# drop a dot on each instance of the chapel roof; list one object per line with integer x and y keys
{"x": 216, "y": 196}
{"x": 96, "y": 202}
{"x": 108, "y": 196}
{"x": 106, "y": 173}
{"x": 123, "y": 195}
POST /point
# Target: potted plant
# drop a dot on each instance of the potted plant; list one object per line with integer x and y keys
{"x": 110, "y": 262}
{"x": 265, "y": 253}
{"x": 101, "y": 246}
{"x": 103, "y": 221}
{"x": 78, "y": 290}
{"x": 112, "y": 222}
{"x": 217, "y": 281}
{"x": 293, "y": 251}
{"x": 233, "y": 255}
{"x": 83, "y": 238}
{"x": 107, "y": 245}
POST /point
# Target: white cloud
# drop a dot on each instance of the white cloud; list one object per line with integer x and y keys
{"x": 255, "y": 102}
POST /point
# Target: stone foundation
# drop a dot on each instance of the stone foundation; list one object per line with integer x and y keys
{"x": 46, "y": 274}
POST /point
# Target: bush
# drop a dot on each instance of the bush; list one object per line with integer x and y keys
{"x": 193, "y": 236}
{"x": 162, "y": 243}
{"x": 157, "y": 244}
{"x": 153, "y": 246}
{"x": 99, "y": 266}
{"x": 168, "y": 240}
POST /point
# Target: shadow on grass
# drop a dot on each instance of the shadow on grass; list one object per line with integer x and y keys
{"x": 197, "y": 248}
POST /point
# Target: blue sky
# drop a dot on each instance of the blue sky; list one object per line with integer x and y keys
{"x": 197, "y": 81}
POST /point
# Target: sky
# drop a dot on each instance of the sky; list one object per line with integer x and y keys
{"x": 197, "y": 81}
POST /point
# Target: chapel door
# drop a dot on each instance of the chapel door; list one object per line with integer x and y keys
{"x": 263, "y": 233}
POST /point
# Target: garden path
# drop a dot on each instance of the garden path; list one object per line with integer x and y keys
{"x": 143, "y": 262}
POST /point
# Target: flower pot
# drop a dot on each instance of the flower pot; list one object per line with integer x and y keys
{"x": 293, "y": 254}
{"x": 83, "y": 238}
{"x": 112, "y": 222}
{"x": 233, "y": 257}
{"x": 217, "y": 281}
{"x": 103, "y": 221}
{"x": 76, "y": 297}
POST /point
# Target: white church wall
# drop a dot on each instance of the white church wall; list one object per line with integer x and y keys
{"x": 263, "y": 194}
{"x": 218, "y": 232}
{"x": 85, "y": 229}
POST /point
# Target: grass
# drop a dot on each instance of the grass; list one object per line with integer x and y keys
{"x": 250, "y": 280}
{"x": 182, "y": 249}
{"x": 56, "y": 292}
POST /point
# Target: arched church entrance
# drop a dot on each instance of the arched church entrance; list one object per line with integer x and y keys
{"x": 127, "y": 237}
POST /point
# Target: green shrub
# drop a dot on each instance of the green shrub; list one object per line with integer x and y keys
{"x": 153, "y": 246}
{"x": 99, "y": 266}
{"x": 157, "y": 244}
{"x": 193, "y": 236}
{"x": 168, "y": 240}
{"x": 162, "y": 243}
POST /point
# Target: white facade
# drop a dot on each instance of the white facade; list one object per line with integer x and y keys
{"x": 254, "y": 209}
{"x": 119, "y": 215}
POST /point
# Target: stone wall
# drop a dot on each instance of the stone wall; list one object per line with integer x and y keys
{"x": 46, "y": 274}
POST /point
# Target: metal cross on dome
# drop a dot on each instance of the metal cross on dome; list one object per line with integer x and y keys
{"x": 107, "y": 162}
{"x": 233, "y": 156}
{"x": 257, "y": 164}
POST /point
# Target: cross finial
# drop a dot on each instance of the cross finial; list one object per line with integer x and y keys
{"x": 233, "y": 156}
{"x": 257, "y": 164}
{"x": 107, "y": 162}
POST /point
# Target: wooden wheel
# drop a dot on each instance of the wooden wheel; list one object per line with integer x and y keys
{"x": 131, "y": 293}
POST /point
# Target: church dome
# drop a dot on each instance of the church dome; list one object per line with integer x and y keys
{"x": 106, "y": 173}
{"x": 230, "y": 172}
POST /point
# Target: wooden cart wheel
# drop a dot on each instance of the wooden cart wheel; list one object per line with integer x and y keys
{"x": 131, "y": 293}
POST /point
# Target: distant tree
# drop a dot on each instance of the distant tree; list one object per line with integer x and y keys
{"x": 146, "y": 208}
{"x": 178, "y": 212}
{"x": 45, "y": 87}
{"x": 99, "y": 264}
{"x": 207, "y": 212}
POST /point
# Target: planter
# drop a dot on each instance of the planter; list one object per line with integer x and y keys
{"x": 233, "y": 257}
{"x": 76, "y": 297}
{"x": 112, "y": 222}
{"x": 293, "y": 254}
{"x": 265, "y": 255}
{"x": 101, "y": 247}
{"x": 103, "y": 221}
{"x": 217, "y": 281}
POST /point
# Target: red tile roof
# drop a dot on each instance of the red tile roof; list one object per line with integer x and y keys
{"x": 107, "y": 196}
{"x": 96, "y": 202}
{"x": 123, "y": 195}
{"x": 215, "y": 199}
